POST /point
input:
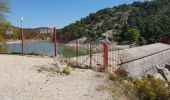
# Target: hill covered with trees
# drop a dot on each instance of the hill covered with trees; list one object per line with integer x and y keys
{"x": 151, "y": 18}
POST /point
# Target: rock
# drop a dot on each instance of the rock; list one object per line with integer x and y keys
{"x": 167, "y": 66}
{"x": 161, "y": 71}
{"x": 167, "y": 74}
{"x": 158, "y": 76}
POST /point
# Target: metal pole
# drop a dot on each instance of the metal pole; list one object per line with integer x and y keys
{"x": 77, "y": 52}
{"x": 105, "y": 46}
{"x": 55, "y": 42}
{"x": 90, "y": 55}
{"x": 22, "y": 35}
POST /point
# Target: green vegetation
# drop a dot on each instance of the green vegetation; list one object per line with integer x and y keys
{"x": 4, "y": 24}
{"x": 54, "y": 69}
{"x": 4, "y": 8}
{"x": 2, "y": 50}
{"x": 152, "y": 89}
{"x": 133, "y": 35}
{"x": 66, "y": 70}
{"x": 147, "y": 88}
{"x": 151, "y": 18}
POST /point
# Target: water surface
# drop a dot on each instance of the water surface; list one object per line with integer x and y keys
{"x": 38, "y": 47}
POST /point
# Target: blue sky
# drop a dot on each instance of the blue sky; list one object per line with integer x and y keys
{"x": 58, "y": 13}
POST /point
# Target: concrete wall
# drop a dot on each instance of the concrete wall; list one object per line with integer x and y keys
{"x": 138, "y": 62}
{"x": 147, "y": 65}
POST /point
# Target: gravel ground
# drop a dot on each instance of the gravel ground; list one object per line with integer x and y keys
{"x": 20, "y": 80}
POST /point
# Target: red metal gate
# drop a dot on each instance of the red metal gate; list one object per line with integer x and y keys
{"x": 101, "y": 54}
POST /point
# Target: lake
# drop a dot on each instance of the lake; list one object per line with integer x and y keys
{"x": 43, "y": 48}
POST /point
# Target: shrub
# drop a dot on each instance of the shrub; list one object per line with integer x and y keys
{"x": 129, "y": 86}
{"x": 120, "y": 72}
{"x": 133, "y": 35}
{"x": 142, "y": 41}
{"x": 53, "y": 69}
{"x": 112, "y": 77}
{"x": 66, "y": 70}
{"x": 147, "y": 88}
{"x": 152, "y": 89}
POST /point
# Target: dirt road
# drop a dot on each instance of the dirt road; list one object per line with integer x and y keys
{"x": 20, "y": 80}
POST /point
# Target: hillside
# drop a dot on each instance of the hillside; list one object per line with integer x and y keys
{"x": 152, "y": 18}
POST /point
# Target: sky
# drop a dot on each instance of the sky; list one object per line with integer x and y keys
{"x": 55, "y": 13}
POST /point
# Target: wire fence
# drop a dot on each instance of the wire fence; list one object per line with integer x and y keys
{"x": 94, "y": 55}
{"x": 86, "y": 54}
{"x": 45, "y": 42}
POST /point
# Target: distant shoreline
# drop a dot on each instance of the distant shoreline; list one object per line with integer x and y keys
{"x": 19, "y": 41}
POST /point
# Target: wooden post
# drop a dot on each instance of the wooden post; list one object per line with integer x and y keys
{"x": 105, "y": 47}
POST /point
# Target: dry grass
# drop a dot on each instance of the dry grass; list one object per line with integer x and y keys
{"x": 102, "y": 87}
{"x": 54, "y": 70}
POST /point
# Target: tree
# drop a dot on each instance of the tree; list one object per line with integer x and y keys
{"x": 4, "y": 8}
{"x": 132, "y": 35}
{"x": 151, "y": 17}
{"x": 142, "y": 41}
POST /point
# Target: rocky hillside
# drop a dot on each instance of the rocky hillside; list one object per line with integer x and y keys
{"x": 152, "y": 18}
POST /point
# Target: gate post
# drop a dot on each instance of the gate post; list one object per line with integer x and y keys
{"x": 55, "y": 42}
{"x": 105, "y": 51}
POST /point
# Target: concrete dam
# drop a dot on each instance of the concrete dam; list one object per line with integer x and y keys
{"x": 151, "y": 59}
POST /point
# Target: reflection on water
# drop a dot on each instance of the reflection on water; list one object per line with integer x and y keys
{"x": 43, "y": 48}
{"x": 47, "y": 48}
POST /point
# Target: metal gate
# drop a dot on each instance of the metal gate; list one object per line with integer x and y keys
{"x": 94, "y": 55}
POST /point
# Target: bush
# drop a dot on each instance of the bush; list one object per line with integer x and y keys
{"x": 54, "y": 69}
{"x": 120, "y": 72}
{"x": 142, "y": 41}
{"x": 112, "y": 77}
{"x": 129, "y": 86}
{"x": 132, "y": 35}
{"x": 147, "y": 88}
{"x": 66, "y": 70}
{"x": 116, "y": 37}
{"x": 152, "y": 89}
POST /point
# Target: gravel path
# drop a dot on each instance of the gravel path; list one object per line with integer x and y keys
{"x": 20, "y": 80}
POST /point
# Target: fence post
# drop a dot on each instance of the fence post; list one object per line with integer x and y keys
{"x": 105, "y": 50}
{"x": 77, "y": 52}
{"x": 90, "y": 54}
{"x": 22, "y": 40}
{"x": 55, "y": 42}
